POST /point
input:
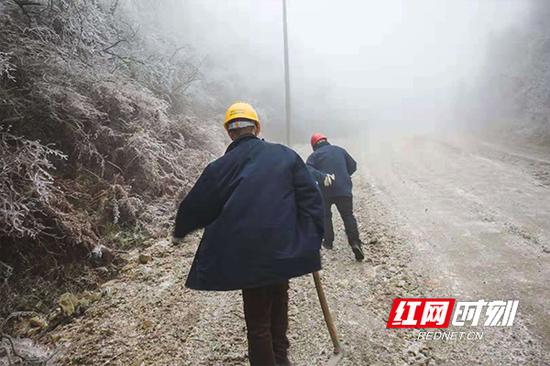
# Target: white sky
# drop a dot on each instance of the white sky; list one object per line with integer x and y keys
{"x": 397, "y": 61}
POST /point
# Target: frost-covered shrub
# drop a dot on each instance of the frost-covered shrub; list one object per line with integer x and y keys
{"x": 81, "y": 76}
{"x": 26, "y": 185}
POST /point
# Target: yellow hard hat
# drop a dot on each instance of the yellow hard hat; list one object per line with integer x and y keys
{"x": 241, "y": 111}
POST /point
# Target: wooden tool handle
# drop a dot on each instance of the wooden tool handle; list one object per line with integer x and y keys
{"x": 326, "y": 313}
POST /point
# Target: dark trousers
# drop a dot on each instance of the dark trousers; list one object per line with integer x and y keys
{"x": 266, "y": 315}
{"x": 345, "y": 208}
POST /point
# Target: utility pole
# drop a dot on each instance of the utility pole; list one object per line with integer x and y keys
{"x": 287, "y": 78}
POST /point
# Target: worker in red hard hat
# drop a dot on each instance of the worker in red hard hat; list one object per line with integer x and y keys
{"x": 316, "y": 137}
{"x": 336, "y": 186}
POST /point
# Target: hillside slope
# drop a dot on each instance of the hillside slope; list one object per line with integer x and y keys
{"x": 98, "y": 141}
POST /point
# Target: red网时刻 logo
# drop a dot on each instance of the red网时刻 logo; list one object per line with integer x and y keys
{"x": 442, "y": 312}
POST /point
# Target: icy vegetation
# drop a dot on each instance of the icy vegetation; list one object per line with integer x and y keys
{"x": 97, "y": 136}
{"x": 512, "y": 95}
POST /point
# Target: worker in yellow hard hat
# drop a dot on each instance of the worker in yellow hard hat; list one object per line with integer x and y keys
{"x": 263, "y": 219}
{"x": 241, "y": 115}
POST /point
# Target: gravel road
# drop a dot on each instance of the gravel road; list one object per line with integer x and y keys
{"x": 444, "y": 220}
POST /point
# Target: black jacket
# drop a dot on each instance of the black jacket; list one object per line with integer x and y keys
{"x": 263, "y": 215}
{"x": 335, "y": 160}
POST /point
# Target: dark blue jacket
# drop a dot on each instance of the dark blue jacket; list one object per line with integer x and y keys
{"x": 263, "y": 215}
{"x": 333, "y": 159}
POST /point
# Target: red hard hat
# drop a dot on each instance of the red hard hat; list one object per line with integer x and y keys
{"x": 316, "y": 137}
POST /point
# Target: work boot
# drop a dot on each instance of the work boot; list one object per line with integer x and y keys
{"x": 327, "y": 244}
{"x": 356, "y": 248}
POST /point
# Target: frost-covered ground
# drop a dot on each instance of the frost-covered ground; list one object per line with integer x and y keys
{"x": 449, "y": 221}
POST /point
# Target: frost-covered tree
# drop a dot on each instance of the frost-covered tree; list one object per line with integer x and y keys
{"x": 513, "y": 95}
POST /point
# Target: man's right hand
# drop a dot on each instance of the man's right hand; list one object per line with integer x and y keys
{"x": 329, "y": 179}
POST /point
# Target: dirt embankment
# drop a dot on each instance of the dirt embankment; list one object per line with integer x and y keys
{"x": 98, "y": 139}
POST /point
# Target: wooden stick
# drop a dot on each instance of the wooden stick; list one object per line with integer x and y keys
{"x": 326, "y": 313}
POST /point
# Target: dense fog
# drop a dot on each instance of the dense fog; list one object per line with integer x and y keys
{"x": 396, "y": 64}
